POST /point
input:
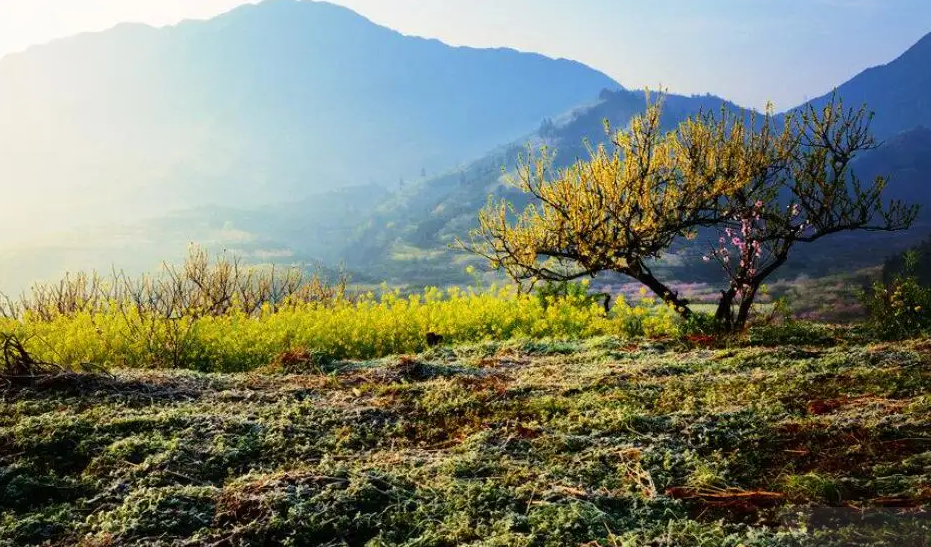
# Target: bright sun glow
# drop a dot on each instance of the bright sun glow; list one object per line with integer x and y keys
{"x": 27, "y": 22}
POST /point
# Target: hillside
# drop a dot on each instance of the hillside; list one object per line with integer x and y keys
{"x": 898, "y": 92}
{"x": 408, "y": 237}
{"x": 298, "y": 131}
{"x": 600, "y": 442}
{"x": 906, "y": 160}
{"x": 268, "y": 103}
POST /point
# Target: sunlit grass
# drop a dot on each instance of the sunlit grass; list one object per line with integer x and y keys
{"x": 601, "y": 441}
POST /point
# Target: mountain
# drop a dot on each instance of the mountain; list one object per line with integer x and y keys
{"x": 898, "y": 92}
{"x": 905, "y": 160}
{"x": 281, "y": 131}
{"x": 899, "y": 95}
{"x": 268, "y": 103}
{"x": 408, "y": 238}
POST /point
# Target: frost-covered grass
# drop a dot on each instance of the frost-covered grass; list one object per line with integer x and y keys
{"x": 596, "y": 442}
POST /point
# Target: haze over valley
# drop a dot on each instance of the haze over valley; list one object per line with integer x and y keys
{"x": 465, "y": 272}
{"x": 301, "y": 132}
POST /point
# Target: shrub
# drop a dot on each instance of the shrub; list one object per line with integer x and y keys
{"x": 219, "y": 315}
{"x": 366, "y": 326}
{"x": 551, "y": 291}
{"x": 701, "y": 325}
{"x": 900, "y": 308}
{"x": 908, "y": 263}
{"x": 201, "y": 286}
{"x": 154, "y": 320}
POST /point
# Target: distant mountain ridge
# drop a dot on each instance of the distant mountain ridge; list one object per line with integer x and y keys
{"x": 269, "y": 102}
{"x": 899, "y": 92}
{"x": 260, "y": 159}
{"x": 409, "y": 236}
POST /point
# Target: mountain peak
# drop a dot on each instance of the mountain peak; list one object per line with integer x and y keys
{"x": 303, "y": 9}
{"x": 280, "y": 98}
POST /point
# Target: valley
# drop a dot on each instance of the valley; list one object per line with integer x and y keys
{"x": 293, "y": 272}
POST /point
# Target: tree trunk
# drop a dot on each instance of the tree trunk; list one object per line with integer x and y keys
{"x": 644, "y": 276}
{"x": 724, "y": 316}
{"x": 745, "y": 304}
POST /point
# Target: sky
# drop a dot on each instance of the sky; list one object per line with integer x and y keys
{"x": 749, "y": 51}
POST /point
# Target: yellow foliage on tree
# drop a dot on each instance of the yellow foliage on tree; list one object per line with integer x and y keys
{"x": 762, "y": 184}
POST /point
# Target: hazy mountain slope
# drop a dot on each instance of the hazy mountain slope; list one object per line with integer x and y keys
{"x": 261, "y": 105}
{"x": 898, "y": 92}
{"x": 242, "y": 121}
{"x": 407, "y": 239}
{"x": 905, "y": 160}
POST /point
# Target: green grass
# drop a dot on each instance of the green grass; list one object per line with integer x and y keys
{"x": 597, "y": 442}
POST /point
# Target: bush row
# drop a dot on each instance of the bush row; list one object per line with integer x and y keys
{"x": 363, "y": 327}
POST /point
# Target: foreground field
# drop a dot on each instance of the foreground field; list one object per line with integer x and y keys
{"x": 600, "y": 442}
